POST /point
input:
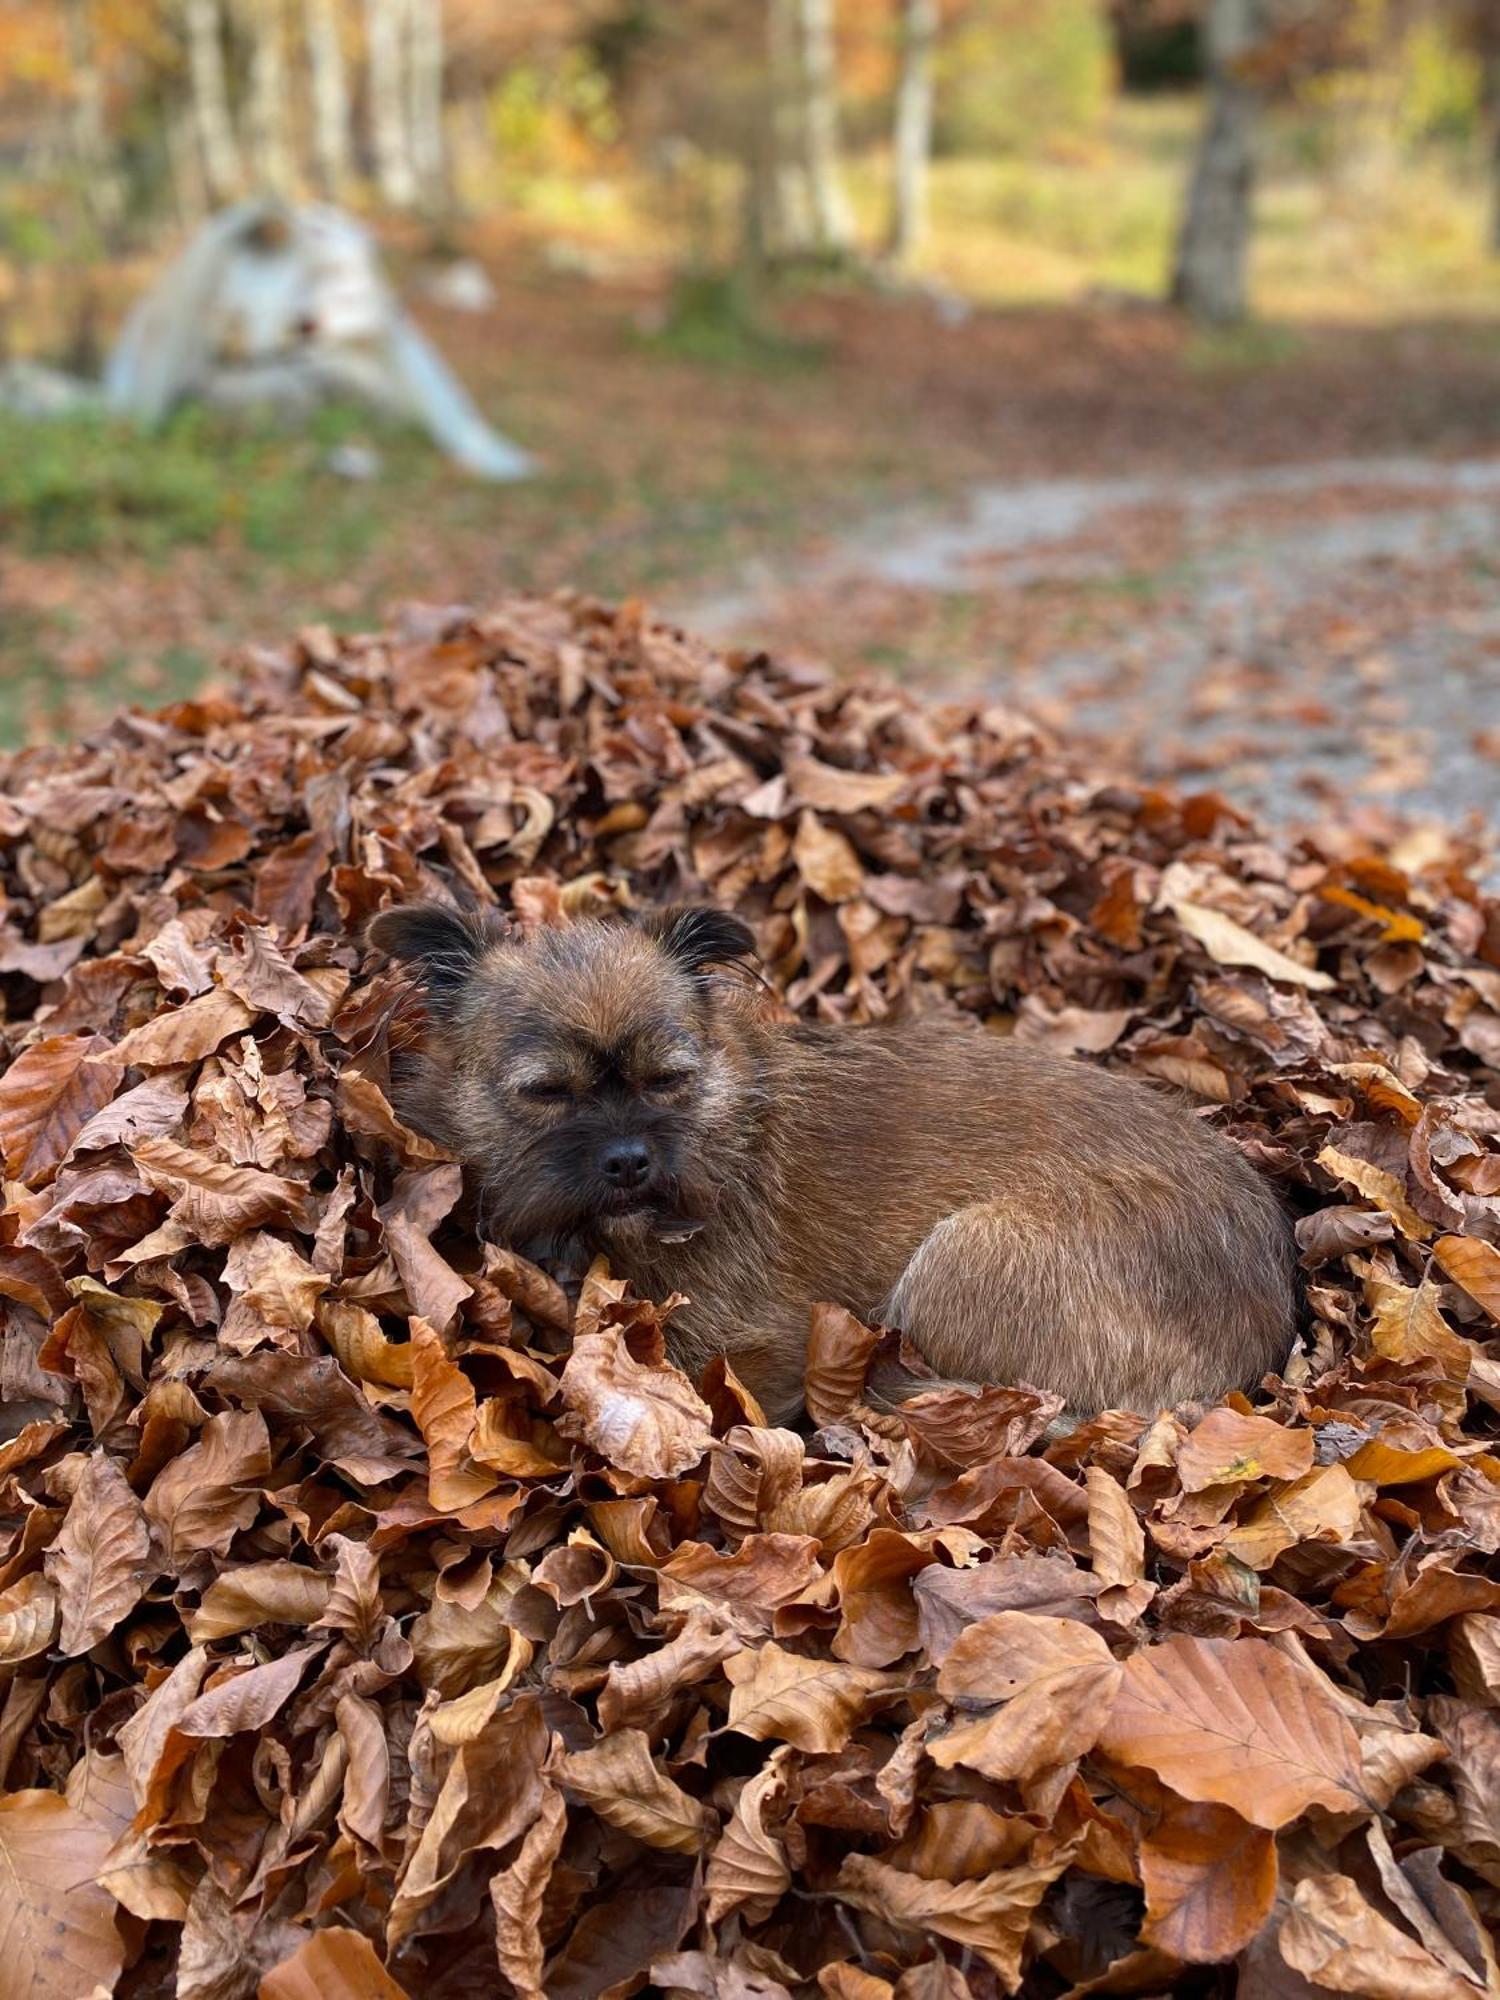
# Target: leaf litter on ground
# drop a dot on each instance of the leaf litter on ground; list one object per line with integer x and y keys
{"x": 353, "y": 1645}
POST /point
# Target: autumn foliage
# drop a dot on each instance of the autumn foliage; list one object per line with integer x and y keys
{"x": 353, "y": 1644}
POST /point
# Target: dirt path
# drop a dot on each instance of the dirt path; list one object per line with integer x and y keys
{"x": 1300, "y": 636}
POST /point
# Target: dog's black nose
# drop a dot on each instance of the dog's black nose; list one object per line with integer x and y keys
{"x": 626, "y": 1163}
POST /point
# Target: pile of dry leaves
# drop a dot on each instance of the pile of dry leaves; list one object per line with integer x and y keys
{"x": 338, "y": 1658}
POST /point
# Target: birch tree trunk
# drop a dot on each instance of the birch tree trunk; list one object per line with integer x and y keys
{"x": 786, "y": 214}
{"x": 210, "y": 88}
{"x": 1489, "y": 49}
{"x": 330, "y": 97}
{"x": 1209, "y": 279}
{"x": 912, "y": 135}
{"x": 424, "y": 80}
{"x": 101, "y": 183}
{"x": 832, "y": 217}
{"x": 267, "y": 111}
{"x": 390, "y": 139}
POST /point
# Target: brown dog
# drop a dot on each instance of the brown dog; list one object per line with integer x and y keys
{"x": 1020, "y": 1216}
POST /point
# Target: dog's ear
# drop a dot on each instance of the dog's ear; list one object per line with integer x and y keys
{"x": 438, "y": 945}
{"x": 697, "y": 937}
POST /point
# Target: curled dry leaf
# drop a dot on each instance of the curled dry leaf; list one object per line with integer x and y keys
{"x": 1342, "y": 1943}
{"x": 748, "y": 1869}
{"x": 645, "y": 1418}
{"x": 1055, "y": 1679}
{"x": 1230, "y": 1448}
{"x": 838, "y": 1353}
{"x": 621, "y": 1781}
{"x": 1474, "y": 1265}
{"x": 781, "y": 1696}
{"x": 517, "y": 1892}
{"x": 100, "y": 1563}
{"x": 991, "y": 1915}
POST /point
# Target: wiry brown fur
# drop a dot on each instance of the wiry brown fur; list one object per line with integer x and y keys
{"x": 1022, "y": 1217}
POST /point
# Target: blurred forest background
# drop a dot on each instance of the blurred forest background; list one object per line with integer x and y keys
{"x": 745, "y": 275}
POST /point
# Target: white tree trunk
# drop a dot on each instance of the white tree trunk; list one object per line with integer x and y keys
{"x": 424, "y": 78}
{"x": 267, "y": 110}
{"x": 390, "y": 138}
{"x": 1213, "y": 246}
{"x": 90, "y": 141}
{"x": 833, "y": 219}
{"x": 912, "y": 135}
{"x": 786, "y": 219}
{"x": 330, "y": 97}
{"x": 216, "y": 142}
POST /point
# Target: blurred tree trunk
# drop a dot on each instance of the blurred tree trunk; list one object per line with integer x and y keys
{"x": 912, "y": 137}
{"x": 1209, "y": 278}
{"x": 267, "y": 122}
{"x": 101, "y": 184}
{"x": 330, "y": 97}
{"x": 424, "y": 79}
{"x": 1490, "y": 56}
{"x": 832, "y": 217}
{"x": 803, "y": 208}
{"x": 785, "y": 214}
{"x": 390, "y": 137}
{"x": 210, "y": 89}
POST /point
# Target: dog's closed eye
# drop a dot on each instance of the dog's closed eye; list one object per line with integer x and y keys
{"x": 546, "y": 1090}
{"x": 663, "y": 1082}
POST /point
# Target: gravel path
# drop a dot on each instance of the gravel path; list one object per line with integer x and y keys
{"x": 1304, "y": 637}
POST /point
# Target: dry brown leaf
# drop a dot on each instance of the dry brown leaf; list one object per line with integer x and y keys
{"x": 1210, "y": 1882}
{"x": 100, "y": 1563}
{"x": 1229, "y": 943}
{"x": 204, "y": 1497}
{"x": 1333, "y": 1937}
{"x": 1379, "y": 1187}
{"x": 826, "y": 860}
{"x": 58, "y": 1939}
{"x": 1055, "y": 1678}
{"x": 336, "y": 1964}
{"x": 621, "y": 1782}
{"x": 213, "y": 1201}
{"x": 780, "y": 1696}
{"x": 838, "y": 1353}
{"x": 1234, "y": 1722}
{"x": 1231, "y": 1448}
{"x": 28, "y": 1618}
{"x": 828, "y": 789}
{"x": 445, "y": 1408}
{"x": 186, "y": 1034}
{"x": 990, "y": 1915}
{"x": 270, "y": 1593}
{"x": 748, "y": 1869}
{"x": 646, "y": 1419}
{"x": 1474, "y": 1265}
{"x": 1323, "y": 1506}
{"x": 636, "y": 1691}
{"x": 48, "y": 1096}
{"x": 517, "y": 1893}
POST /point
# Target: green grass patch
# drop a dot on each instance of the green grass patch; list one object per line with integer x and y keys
{"x": 91, "y": 485}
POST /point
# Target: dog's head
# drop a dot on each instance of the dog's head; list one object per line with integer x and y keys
{"x": 590, "y": 1074}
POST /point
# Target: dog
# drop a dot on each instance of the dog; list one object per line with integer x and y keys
{"x": 1020, "y": 1216}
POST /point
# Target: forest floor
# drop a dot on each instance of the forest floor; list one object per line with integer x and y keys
{"x": 1266, "y": 561}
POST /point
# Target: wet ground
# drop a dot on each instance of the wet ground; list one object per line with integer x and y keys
{"x": 1314, "y": 640}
